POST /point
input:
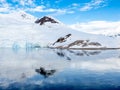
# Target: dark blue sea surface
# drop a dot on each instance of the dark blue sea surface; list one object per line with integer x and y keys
{"x": 55, "y": 69}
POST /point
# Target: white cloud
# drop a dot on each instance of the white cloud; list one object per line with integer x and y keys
{"x": 30, "y": 2}
{"x": 22, "y": 2}
{"x": 53, "y": 11}
{"x": 41, "y": 9}
{"x": 42, "y": 1}
{"x": 93, "y": 5}
{"x": 1, "y": 1}
{"x": 36, "y": 9}
{"x": 4, "y": 6}
{"x": 59, "y": 12}
{"x": 4, "y": 9}
{"x": 75, "y": 4}
{"x": 58, "y": 1}
{"x": 98, "y": 27}
{"x": 29, "y": 5}
{"x": 25, "y": 2}
{"x": 48, "y": 10}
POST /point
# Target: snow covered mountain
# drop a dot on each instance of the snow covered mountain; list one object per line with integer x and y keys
{"x": 21, "y": 30}
{"x": 99, "y": 27}
{"x": 16, "y": 17}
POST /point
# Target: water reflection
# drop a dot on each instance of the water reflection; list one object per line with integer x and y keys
{"x": 84, "y": 53}
{"x": 66, "y": 53}
{"x": 44, "y": 72}
{"x": 61, "y": 53}
{"x": 63, "y": 69}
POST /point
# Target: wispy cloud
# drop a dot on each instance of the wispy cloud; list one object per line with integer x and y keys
{"x": 93, "y": 5}
{"x": 7, "y": 7}
{"x": 25, "y": 2}
{"x": 58, "y": 1}
{"x": 75, "y": 4}
{"x": 4, "y": 6}
{"x": 1, "y": 1}
{"x": 4, "y": 9}
{"x": 30, "y": 5}
{"x": 36, "y": 9}
{"x": 42, "y": 1}
{"x": 50, "y": 11}
{"x": 61, "y": 12}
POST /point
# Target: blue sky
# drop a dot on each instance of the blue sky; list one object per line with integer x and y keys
{"x": 67, "y": 11}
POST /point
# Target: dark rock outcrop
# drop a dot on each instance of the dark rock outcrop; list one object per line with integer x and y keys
{"x": 44, "y": 20}
{"x": 95, "y": 44}
{"x": 83, "y": 43}
{"x": 77, "y": 42}
{"x": 62, "y": 39}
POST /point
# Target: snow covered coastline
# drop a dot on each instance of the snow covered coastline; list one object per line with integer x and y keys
{"x": 19, "y": 30}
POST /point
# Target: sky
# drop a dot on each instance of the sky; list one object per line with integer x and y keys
{"x": 67, "y": 11}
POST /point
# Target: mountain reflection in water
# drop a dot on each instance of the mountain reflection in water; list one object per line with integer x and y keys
{"x": 62, "y": 53}
{"x": 46, "y": 69}
{"x": 45, "y": 73}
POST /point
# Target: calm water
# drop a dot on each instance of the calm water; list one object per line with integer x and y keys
{"x": 52, "y": 69}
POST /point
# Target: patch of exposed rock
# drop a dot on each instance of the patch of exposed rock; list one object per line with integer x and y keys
{"x": 83, "y": 43}
{"x": 44, "y": 20}
{"x": 62, "y": 39}
{"x": 78, "y": 43}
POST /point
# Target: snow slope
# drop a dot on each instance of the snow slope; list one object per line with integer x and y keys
{"x": 18, "y": 30}
{"x": 99, "y": 27}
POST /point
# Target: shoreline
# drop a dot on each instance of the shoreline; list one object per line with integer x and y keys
{"x": 85, "y": 48}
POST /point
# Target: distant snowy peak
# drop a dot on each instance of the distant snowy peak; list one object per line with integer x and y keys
{"x": 20, "y": 15}
{"x": 26, "y": 16}
{"x": 23, "y": 15}
{"x": 46, "y": 19}
{"x": 14, "y": 18}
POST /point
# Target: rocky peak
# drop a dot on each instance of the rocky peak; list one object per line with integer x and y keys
{"x": 45, "y": 19}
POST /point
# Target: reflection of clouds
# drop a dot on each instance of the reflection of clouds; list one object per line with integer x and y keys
{"x": 20, "y": 67}
{"x": 98, "y": 65}
{"x": 27, "y": 62}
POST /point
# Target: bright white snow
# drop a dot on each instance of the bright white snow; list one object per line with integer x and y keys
{"x": 18, "y": 30}
{"x": 99, "y": 27}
